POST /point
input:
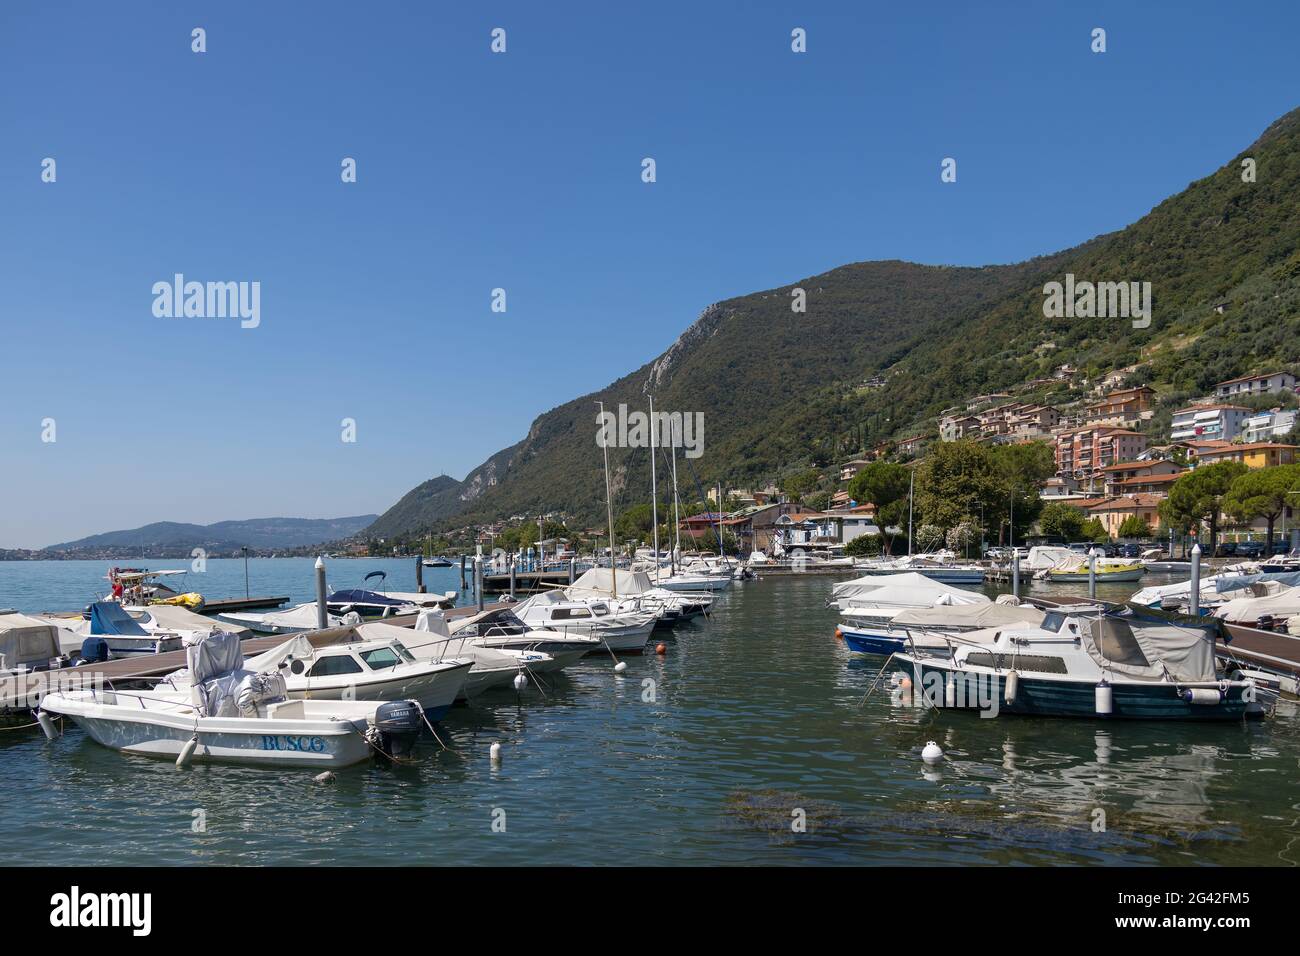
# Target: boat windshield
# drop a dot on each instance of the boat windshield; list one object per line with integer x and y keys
{"x": 380, "y": 658}
{"x": 1054, "y": 621}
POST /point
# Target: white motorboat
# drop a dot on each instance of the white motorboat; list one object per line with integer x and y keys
{"x": 229, "y": 714}
{"x": 355, "y": 670}
{"x": 1265, "y": 604}
{"x": 941, "y": 566}
{"x": 633, "y": 590}
{"x": 623, "y": 631}
{"x": 125, "y": 631}
{"x": 431, "y": 640}
{"x": 887, "y": 635}
{"x": 500, "y": 629}
{"x": 28, "y": 646}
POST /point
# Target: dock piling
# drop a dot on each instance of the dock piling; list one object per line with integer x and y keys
{"x": 1196, "y": 579}
{"x": 1015, "y": 572}
{"x": 572, "y": 569}
{"x": 462, "y": 572}
{"x": 419, "y": 574}
{"x": 322, "y": 607}
{"x": 478, "y": 581}
{"x": 512, "y": 577}
{"x": 1092, "y": 573}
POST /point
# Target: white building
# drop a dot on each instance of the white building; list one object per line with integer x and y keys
{"x": 1255, "y": 385}
{"x": 1209, "y": 422}
{"x": 1268, "y": 426}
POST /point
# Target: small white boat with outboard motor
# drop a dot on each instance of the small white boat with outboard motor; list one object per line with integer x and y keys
{"x": 635, "y": 591}
{"x": 293, "y": 620}
{"x": 356, "y": 670}
{"x": 430, "y": 639}
{"x": 623, "y": 631}
{"x": 500, "y": 629}
{"x": 230, "y": 714}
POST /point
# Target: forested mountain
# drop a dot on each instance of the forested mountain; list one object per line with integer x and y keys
{"x": 781, "y": 390}
{"x": 222, "y": 537}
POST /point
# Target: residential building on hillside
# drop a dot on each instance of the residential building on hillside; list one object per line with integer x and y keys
{"x": 1208, "y": 422}
{"x": 1113, "y": 512}
{"x": 1148, "y": 484}
{"x": 957, "y": 427}
{"x": 978, "y": 400}
{"x": 912, "y": 446}
{"x": 1269, "y": 425}
{"x": 1257, "y": 455}
{"x": 849, "y": 470}
{"x": 1266, "y": 384}
{"x": 1114, "y": 475}
{"x": 1082, "y": 452}
{"x": 1124, "y": 409}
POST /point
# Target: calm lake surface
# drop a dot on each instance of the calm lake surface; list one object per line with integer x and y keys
{"x": 756, "y": 715}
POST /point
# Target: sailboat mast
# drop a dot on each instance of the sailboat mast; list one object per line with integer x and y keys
{"x": 654, "y": 485}
{"x": 677, "y": 515}
{"x": 911, "y": 481}
{"x": 609, "y": 508}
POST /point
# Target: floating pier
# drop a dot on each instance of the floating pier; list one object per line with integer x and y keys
{"x": 254, "y": 603}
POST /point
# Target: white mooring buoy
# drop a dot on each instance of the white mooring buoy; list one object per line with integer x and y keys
{"x": 931, "y": 752}
{"x": 494, "y": 752}
{"x": 521, "y": 681}
{"x": 620, "y": 667}
{"x": 326, "y": 777}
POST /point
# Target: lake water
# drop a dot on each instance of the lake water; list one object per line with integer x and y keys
{"x": 757, "y": 716}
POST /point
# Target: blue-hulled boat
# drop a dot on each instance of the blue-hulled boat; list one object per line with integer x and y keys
{"x": 1127, "y": 662}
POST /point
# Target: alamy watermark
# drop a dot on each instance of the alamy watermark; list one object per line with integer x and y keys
{"x": 209, "y": 300}
{"x": 1098, "y": 300}
{"x": 637, "y": 429}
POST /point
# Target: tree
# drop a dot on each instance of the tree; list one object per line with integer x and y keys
{"x": 636, "y": 522}
{"x": 1262, "y": 494}
{"x": 1062, "y": 520}
{"x": 962, "y": 536}
{"x": 801, "y": 484}
{"x": 1198, "y": 496}
{"x": 819, "y": 501}
{"x": 1094, "y": 530}
{"x": 884, "y": 484}
{"x": 1134, "y": 526}
{"x": 864, "y": 546}
{"x": 929, "y": 537}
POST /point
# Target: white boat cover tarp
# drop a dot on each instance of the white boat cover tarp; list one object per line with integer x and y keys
{"x": 297, "y": 647}
{"x": 1212, "y": 585}
{"x": 1137, "y": 649}
{"x": 1285, "y": 602}
{"x": 973, "y": 616}
{"x": 431, "y": 621}
{"x": 173, "y": 618}
{"x": 909, "y": 589}
{"x": 630, "y": 583}
{"x": 26, "y": 641}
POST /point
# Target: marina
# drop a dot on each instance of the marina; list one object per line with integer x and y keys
{"x": 661, "y": 775}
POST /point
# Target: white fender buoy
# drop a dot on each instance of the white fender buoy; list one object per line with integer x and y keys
{"x": 47, "y": 725}
{"x": 521, "y": 681}
{"x": 494, "y": 752}
{"x": 1104, "y": 700}
{"x": 620, "y": 667}
{"x": 1010, "y": 688}
{"x": 326, "y": 777}
{"x": 1202, "y": 695}
{"x": 931, "y": 752}
{"x": 187, "y": 752}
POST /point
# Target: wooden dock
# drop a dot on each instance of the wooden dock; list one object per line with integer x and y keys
{"x": 24, "y": 691}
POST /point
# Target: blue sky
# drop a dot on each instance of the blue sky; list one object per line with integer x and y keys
{"x": 522, "y": 171}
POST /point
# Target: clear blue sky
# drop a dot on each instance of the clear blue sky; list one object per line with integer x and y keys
{"x": 521, "y": 171}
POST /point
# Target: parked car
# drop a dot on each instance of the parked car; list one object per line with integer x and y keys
{"x": 1250, "y": 549}
{"x": 1129, "y": 551}
{"x": 1226, "y": 549}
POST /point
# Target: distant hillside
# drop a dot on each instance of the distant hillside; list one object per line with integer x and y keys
{"x": 224, "y": 536}
{"x": 780, "y": 390}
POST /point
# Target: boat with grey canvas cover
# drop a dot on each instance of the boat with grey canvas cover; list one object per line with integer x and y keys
{"x": 1129, "y": 662}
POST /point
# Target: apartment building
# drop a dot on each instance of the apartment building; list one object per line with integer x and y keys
{"x": 1123, "y": 409}
{"x": 1083, "y": 452}
{"x": 1266, "y": 384}
{"x": 1209, "y": 422}
{"x": 1269, "y": 425}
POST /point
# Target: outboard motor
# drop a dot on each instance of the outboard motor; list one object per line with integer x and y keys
{"x": 94, "y": 650}
{"x": 398, "y": 725}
